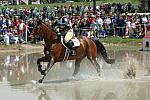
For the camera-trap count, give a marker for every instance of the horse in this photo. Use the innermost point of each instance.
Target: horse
(55, 51)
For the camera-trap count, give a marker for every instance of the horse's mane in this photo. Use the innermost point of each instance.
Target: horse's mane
(49, 26)
(40, 22)
(51, 33)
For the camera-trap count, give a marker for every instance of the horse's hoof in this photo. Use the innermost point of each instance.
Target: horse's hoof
(72, 78)
(33, 82)
(40, 81)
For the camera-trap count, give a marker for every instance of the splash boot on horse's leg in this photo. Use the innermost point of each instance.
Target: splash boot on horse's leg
(40, 66)
(46, 58)
(50, 64)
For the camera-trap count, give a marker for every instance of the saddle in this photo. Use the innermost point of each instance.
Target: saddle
(73, 43)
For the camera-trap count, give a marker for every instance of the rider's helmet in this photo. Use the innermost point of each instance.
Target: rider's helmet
(61, 12)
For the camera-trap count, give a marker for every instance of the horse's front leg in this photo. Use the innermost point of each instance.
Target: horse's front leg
(49, 66)
(42, 59)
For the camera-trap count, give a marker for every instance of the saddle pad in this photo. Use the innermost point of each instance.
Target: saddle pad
(76, 42)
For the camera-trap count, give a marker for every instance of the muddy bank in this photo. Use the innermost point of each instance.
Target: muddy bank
(20, 47)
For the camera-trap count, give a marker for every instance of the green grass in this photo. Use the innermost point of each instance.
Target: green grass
(118, 43)
(111, 43)
(119, 40)
(40, 6)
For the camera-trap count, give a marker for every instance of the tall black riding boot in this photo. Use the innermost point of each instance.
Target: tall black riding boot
(70, 46)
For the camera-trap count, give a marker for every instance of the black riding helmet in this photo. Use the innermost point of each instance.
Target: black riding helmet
(62, 12)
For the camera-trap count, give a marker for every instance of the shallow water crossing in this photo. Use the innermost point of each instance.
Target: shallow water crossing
(127, 79)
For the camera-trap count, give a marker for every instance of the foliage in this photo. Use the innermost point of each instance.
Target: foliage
(98, 2)
(143, 6)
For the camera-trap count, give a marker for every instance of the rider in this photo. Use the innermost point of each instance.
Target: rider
(65, 30)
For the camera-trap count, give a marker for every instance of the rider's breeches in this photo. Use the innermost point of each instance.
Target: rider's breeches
(69, 35)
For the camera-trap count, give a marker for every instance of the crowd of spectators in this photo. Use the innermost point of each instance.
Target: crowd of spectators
(109, 20)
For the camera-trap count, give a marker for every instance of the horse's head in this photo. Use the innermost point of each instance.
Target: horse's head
(37, 30)
(42, 30)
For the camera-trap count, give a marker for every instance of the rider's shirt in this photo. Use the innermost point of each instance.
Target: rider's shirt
(63, 21)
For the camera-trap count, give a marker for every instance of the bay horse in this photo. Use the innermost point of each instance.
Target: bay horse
(54, 51)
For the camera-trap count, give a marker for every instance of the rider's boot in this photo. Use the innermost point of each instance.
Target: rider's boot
(70, 46)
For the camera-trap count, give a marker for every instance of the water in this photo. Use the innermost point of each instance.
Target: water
(18, 72)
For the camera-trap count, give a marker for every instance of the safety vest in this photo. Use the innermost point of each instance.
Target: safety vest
(62, 21)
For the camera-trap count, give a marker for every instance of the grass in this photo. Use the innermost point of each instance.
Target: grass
(116, 40)
(118, 43)
(40, 6)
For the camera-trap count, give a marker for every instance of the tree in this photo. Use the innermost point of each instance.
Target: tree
(94, 6)
(144, 5)
(148, 5)
(30, 2)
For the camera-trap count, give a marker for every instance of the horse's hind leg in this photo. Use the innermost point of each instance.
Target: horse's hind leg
(96, 65)
(77, 67)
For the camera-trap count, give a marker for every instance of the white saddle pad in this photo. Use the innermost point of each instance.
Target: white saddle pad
(76, 42)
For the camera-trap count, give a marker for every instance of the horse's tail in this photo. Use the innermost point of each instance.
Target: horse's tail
(101, 49)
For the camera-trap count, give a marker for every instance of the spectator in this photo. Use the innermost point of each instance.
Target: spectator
(103, 32)
(128, 27)
(122, 27)
(4, 29)
(21, 31)
(108, 16)
(133, 29)
(12, 38)
(1, 21)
